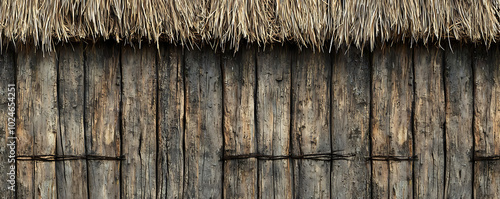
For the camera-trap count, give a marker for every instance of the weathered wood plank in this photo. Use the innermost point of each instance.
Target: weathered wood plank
(487, 121)
(139, 122)
(392, 99)
(350, 124)
(429, 122)
(71, 175)
(311, 122)
(487, 179)
(203, 137)
(102, 118)
(459, 110)
(273, 121)
(38, 122)
(240, 176)
(170, 123)
(7, 76)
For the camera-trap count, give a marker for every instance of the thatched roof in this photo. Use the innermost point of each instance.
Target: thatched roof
(318, 23)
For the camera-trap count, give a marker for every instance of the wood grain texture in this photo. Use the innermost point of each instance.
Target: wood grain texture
(487, 121)
(138, 171)
(7, 76)
(240, 176)
(273, 121)
(429, 122)
(37, 123)
(171, 117)
(71, 175)
(350, 124)
(392, 88)
(203, 136)
(24, 129)
(459, 110)
(311, 122)
(102, 118)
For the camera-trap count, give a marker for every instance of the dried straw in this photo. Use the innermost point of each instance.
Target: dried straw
(225, 23)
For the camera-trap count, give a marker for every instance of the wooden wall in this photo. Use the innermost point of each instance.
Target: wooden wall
(418, 122)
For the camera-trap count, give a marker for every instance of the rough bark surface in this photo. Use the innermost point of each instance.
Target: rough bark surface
(138, 171)
(429, 122)
(311, 75)
(240, 176)
(487, 121)
(459, 110)
(37, 123)
(177, 111)
(350, 124)
(171, 117)
(71, 175)
(273, 121)
(7, 76)
(392, 87)
(203, 137)
(102, 118)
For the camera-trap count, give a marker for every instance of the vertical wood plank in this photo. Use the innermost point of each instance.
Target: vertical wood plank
(240, 176)
(102, 118)
(7, 76)
(273, 121)
(311, 123)
(38, 122)
(71, 175)
(170, 123)
(429, 122)
(203, 137)
(392, 99)
(24, 129)
(458, 92)
(487, 121)
(139, 122)
(350, 124)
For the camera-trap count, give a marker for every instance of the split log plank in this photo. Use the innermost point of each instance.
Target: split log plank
(459, 110)
(37, 123)
(240, 176)
(429, 122)
(138, 171)
(203, 137)
(311, 123)
(7, 76)
(71, 175)
(350, 124)
(487, 121)
(170, 174)
(102, 118)
(392, 100)
(273, 121)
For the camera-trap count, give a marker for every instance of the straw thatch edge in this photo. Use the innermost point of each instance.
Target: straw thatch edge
(322, 24)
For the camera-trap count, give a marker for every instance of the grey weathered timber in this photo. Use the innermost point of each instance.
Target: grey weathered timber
(102, 118)
(203, 134)
(392, 89)
(37, 122)
(139, 79)
(350, 123)
(177, 111)
(273, 121)
(487, 121)
(239, 81)
(7, 76)
(311, 73)
(459, 110)
(170, 174)
(71, 175)
(429, 122)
